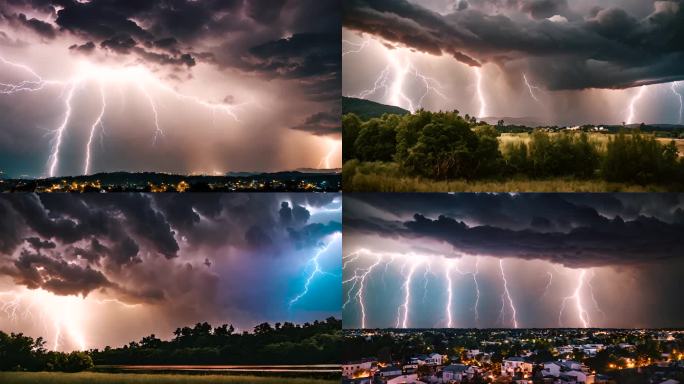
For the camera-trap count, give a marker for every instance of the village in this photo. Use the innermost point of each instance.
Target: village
(534, 356)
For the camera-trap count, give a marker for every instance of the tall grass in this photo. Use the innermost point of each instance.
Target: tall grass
(124, 378)
(380, 182)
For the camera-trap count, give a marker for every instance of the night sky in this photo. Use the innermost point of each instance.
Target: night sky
(175, 86)
(548, 61)
(94, 270)
(537, 260)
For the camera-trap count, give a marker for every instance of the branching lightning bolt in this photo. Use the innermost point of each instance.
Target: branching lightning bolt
(361, 280)
(506, 296)
(582, 314)
(407, 295)
(316, 270)
(98, 122)
(54, 157)
(356, 47)
(530, 87)
(632, 105)
(137, 75)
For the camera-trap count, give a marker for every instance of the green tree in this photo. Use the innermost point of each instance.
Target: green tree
(351, 126)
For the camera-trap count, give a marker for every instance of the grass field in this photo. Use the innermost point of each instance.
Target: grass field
(382, 183)
(599, 138)
(387, 177)
(124, 378)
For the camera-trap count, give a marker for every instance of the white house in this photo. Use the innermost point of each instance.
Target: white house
(454, 373)
(552, 368)
(512, 365)
(471, 353)
(434, 359)
(353, 367)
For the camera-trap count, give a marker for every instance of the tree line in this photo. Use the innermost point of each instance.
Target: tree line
(446, 145)
(319, 342)
(23, 353)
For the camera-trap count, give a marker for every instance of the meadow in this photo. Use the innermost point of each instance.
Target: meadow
(599, 139)
(123, 378)
(446, 152)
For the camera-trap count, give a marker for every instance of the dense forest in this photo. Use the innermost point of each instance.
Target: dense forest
(446, 145)
(287, 343)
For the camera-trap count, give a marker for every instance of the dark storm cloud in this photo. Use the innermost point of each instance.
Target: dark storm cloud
(35, 270)
(564, 229)
(608, 48)
(86, 48)
(140, 246)
(322, 123)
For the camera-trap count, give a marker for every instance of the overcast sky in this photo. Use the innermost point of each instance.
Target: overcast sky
(136, 264)
(177, 86)
(555, 61)
(618, 257)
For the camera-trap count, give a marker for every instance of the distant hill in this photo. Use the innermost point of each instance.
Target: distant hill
(366, 109)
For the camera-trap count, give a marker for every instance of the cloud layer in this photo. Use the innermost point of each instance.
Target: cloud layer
(187, 257)
(563, 45)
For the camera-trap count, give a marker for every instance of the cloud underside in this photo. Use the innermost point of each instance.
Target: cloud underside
(150, 249)
(574, 231)
(561, 49)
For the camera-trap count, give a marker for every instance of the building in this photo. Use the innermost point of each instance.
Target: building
(356, 368)
(390, 371)
(454, 373)
(514, 365)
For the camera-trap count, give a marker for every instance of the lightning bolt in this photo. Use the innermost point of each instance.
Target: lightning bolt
(428, 271)
(392, 80)
(507, 296)
(674, 87)
(137, 75)
(355, 47)
(61, 313)
(631, 110)
(54, 156)
(447, 274)
(98, 122)
(316, 270)
(530, 88)
(326, 160)
(157, 130)
(407, 295)
(591, 293)
(480, 93)
(548, 284)
(361, 280)
(582, 314)
(477, 292)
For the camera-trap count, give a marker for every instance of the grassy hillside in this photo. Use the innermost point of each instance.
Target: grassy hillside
(366, 109)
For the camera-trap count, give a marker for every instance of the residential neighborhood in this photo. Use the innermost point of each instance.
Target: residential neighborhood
(534, 356)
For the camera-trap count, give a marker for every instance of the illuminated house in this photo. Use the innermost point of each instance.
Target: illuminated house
(355, 368)
(514, 365)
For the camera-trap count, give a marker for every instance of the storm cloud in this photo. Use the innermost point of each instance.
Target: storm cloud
(563, 46)
(235, 78)
(513, 260)
(574, 231)
(183, 258)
